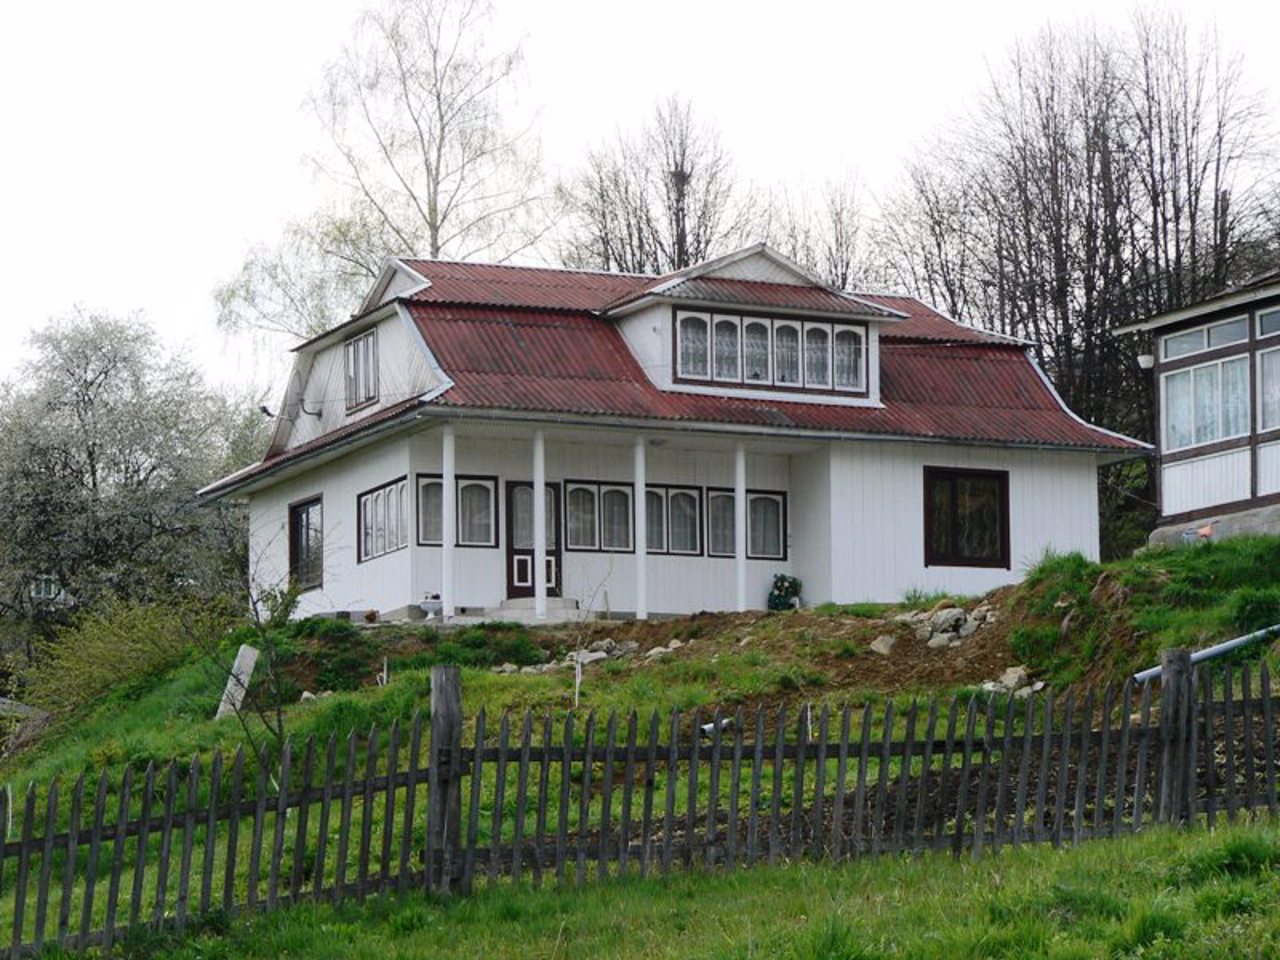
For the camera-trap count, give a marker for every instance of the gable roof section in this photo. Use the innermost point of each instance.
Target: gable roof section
(544, 362)
(538, 288)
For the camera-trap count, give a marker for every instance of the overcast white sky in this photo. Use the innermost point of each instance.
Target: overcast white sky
(145, 146)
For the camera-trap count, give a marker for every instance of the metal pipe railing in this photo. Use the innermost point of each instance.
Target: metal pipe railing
(1217, 650)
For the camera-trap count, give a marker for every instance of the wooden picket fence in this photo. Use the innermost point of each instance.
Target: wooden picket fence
(442, 806)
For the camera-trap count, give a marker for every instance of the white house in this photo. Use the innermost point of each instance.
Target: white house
(514, 438)
(1217, 370)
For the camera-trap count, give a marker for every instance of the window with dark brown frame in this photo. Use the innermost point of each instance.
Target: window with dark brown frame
(306, 544)
(966, 518)
(476, 513)
(382, 520)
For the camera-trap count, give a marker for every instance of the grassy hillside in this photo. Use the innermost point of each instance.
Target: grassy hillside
(1159, 895)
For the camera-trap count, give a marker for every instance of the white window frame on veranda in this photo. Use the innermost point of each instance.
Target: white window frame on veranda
(1195, 441)
(1266, 424)
(753, 548)
(1266, 316)
(360, 364)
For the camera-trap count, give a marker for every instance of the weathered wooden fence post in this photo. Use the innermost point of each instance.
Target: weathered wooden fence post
(1175, 735)
(444, 806)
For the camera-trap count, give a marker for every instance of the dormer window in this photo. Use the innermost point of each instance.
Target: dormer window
(693, 346)
(361, 355)
(766, 352)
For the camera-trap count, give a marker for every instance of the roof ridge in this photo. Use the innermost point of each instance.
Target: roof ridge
(526, 266)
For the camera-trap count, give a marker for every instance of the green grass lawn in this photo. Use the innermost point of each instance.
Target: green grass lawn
(1163, 894)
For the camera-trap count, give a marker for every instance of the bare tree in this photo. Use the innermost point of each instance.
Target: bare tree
(424, 163)
(657, 201)
(824, 232)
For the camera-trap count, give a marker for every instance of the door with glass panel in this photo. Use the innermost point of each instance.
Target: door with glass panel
(520, 559)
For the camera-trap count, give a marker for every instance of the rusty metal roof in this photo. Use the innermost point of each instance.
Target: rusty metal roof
(499, 285)
(562, 363)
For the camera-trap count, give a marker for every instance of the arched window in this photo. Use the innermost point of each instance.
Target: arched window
(726, 349)
(475, 513)
(817, 357)
(685, 522)
(720, 524)
(655, 520)
(786, 354)
(848, 360)
(581, 513)
(615, 518)
(693, 347)
(764, 526)
(755, 352)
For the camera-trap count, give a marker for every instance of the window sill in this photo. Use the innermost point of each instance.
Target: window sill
(1206, 449)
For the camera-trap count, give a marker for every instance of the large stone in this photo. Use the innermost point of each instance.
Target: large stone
(506, 668)
(307, 697)
(944, 639)
(1014, 678)
(603, 646)
(238, 681)
(968, 628)
(588, 656)
(656, 653)
(948, 619)
(675, 645)
(883, 644)
(924, 632)
(626, 648)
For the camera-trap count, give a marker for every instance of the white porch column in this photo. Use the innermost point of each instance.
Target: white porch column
(641, 538)
(539, 526)
(449, 473)
(740, 522)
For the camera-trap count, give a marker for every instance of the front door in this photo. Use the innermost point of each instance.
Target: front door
(520, 581)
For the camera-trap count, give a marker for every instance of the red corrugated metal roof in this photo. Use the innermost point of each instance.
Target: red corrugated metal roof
(563, 363)
(499, 285)
(925, 323)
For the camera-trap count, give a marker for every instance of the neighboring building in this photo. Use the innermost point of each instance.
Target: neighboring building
(513, 438)
(1217, 370)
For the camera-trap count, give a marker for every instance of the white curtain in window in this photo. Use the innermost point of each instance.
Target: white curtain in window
(1270, 389)
(1235, 397)
(475, 513)
(615, 519)
(582, 518)
(655, 519)
(786, 355)
(755, 352)
(684, 522)
(848, 360)
(817, 357)
(379, 524)
(1178, 410)
(521, 519)
(764, 527)
(431, 511)
(726, 348)
(693, 347)
(720, 523)
(1207, 426)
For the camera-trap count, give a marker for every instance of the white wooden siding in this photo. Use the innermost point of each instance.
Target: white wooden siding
(403, 372)
(1205, 482)
(811, 529)
(1268, 469)
(877, 515)
(377, 584)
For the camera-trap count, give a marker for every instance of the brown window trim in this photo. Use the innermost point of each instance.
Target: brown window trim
(295, 508)
(742, 384)
(667, 489)
(360, 555)
(599, 486)
(931, 559)
(751, 492)
(457, 505)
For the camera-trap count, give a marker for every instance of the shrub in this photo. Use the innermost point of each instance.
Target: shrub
(1252, 608)
(120, 647)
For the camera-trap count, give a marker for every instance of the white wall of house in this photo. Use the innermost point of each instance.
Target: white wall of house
(855, 524)
(376, 584)
(1268, 469)
(1206, 481)
(403, 372)
(877, 515)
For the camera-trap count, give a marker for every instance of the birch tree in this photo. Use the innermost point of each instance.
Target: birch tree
(421, 158)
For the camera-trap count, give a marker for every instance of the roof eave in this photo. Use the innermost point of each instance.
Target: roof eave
(888, 316)
(1222, 302)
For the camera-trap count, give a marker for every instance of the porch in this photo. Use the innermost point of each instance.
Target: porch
(544, 523)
